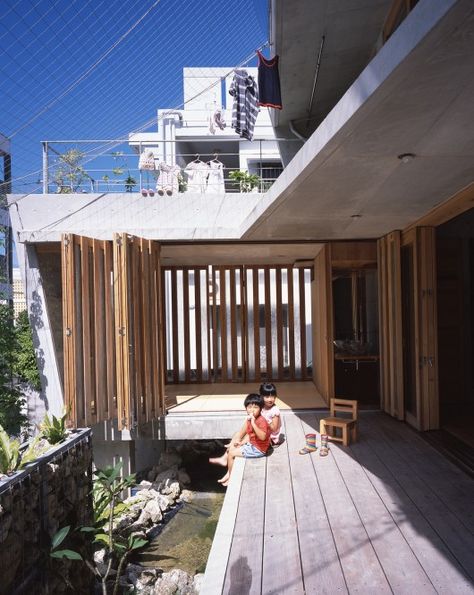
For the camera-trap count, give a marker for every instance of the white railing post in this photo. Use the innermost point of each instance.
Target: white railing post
(45, 168)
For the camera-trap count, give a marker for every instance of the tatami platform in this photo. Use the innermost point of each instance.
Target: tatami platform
(229, 396)
(388, 514)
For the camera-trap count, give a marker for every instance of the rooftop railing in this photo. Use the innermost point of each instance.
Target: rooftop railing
(103, 166)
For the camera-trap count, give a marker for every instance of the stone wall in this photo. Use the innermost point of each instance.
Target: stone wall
(50, 493)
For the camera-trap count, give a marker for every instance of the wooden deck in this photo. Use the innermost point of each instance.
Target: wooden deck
(388, 514)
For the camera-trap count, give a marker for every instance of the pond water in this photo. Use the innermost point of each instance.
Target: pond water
(185, 540)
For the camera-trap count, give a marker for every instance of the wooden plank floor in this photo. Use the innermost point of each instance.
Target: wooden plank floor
(388, 514)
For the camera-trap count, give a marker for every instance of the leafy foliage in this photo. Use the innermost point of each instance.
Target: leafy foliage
(24, 363)
(245, 181)
(54, 430)
(12, 417)
(107, 490)
(69, 174)
(12, 457)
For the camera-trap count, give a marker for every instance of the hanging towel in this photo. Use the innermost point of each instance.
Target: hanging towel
(245, 109)
(268, 82)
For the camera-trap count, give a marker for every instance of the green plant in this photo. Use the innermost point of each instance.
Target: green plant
(107, 489)
(130, 182)
(245, 181)
(12, 416)
(25, 366)
(12, 457)
(54, 430)
(69, 174)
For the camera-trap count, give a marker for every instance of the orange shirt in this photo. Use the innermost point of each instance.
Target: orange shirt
(262, 423)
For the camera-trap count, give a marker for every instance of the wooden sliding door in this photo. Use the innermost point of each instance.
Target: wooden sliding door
(420, 328)
(113, 354)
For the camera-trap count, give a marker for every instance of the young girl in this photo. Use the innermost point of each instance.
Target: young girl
(251, 442)
(271, 412)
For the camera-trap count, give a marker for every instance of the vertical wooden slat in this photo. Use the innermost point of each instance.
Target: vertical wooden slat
(323, 351)
(187, 355)
(198, 318)
(89, 396)
(223, 323)
(256, 324)
(159, 370)
(244, 323)
(291, 323)
(215, 334)
(147, 329)
(302, 324)
(99, 332)
(109, 331)
(279, 323)
(268, 324)
(165, 328)
(69, 327)
(233, 325)
(174, 319)
(121, 294)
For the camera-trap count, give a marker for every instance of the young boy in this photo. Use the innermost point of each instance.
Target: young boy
(251, 442)
(271, 412)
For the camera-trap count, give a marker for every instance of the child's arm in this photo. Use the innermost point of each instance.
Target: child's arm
(275, 424)
(242, 433)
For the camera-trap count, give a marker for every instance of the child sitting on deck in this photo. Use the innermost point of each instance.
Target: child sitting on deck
(271, 412)
(251, 442)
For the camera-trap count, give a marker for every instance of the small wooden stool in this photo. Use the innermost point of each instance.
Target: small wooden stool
(328, 424)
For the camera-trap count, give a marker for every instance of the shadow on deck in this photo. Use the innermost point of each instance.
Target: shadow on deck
(388, 514)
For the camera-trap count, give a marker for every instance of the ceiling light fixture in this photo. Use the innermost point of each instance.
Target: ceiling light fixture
(406, 157)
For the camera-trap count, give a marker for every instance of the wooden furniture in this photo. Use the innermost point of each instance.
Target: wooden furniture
(328, 424)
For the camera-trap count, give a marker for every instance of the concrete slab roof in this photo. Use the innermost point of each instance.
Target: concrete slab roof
(415, 96)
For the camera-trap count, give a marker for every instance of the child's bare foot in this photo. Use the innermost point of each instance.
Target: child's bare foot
(219, 460)
(225, 483)
(223, 479)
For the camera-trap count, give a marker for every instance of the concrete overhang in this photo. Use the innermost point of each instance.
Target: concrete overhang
(415, 96)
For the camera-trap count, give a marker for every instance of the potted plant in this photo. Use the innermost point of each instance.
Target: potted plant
(130, 183)
(245, 181)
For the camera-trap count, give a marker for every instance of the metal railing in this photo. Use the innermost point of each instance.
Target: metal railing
(103, 166)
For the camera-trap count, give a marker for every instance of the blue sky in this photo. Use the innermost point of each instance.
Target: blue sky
(99, 69)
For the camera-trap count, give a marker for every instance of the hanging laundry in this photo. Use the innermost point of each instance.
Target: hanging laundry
(215, 180)
(268, 82)
(216, 120)
(197, 172)
(168, 181)
(245, 108)
(146, 161)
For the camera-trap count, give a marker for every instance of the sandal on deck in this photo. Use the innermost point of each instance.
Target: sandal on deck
(324, 450)
(310, 444)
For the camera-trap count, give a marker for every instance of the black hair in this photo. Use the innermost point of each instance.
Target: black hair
(254, 399)
(268, 389)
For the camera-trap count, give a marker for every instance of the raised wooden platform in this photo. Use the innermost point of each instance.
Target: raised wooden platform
(388, 514)
(185, 398)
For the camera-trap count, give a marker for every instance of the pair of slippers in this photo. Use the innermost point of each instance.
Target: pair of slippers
(311, 445)
(162, 191)
(148, 192)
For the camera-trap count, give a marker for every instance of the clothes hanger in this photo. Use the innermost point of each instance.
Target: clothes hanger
(197, 160)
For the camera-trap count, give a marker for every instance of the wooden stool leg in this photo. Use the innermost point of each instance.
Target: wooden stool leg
(345, 440)
(322, 427)
(354, 433)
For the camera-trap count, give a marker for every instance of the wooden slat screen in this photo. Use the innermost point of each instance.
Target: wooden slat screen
(254, 320)
(112, 319)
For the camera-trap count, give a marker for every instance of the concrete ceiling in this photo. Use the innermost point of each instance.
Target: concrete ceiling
(237, 254)
(350, 29)
(416, 96)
